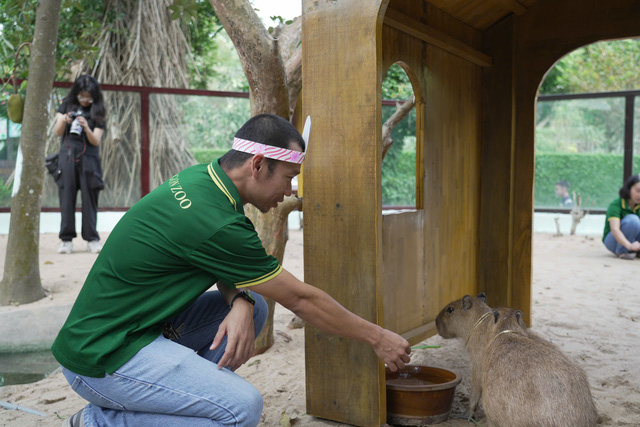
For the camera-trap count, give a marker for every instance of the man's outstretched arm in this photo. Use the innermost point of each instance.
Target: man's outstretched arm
(320, 310)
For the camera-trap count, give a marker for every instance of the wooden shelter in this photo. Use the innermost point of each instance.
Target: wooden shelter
(475, 66)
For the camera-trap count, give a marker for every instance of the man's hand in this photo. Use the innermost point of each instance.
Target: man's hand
(392, 349)
(239, 329)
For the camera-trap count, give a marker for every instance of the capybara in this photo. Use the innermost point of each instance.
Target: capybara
(468, 318)
(524, 380)
(528, 381)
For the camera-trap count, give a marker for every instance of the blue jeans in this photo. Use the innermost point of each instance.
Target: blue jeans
(176, 383)
(630, 227)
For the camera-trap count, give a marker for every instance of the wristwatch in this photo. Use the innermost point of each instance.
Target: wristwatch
(245, 295)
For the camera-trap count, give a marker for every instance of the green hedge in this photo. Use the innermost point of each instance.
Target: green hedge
(207, 155)
(399, 181)
(597, 177)
(5, 193)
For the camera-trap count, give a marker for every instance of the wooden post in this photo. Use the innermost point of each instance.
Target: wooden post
(342, 205)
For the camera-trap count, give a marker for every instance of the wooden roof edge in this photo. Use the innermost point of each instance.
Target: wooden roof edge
(513, 5)
(417, 29)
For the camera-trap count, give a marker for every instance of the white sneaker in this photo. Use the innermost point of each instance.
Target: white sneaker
(627, 255)
(75, 420)
(94, 246)
(65, 248)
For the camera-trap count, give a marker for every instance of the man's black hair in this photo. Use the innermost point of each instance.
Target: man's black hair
(563, 183)
(267, 129)
(625, 190)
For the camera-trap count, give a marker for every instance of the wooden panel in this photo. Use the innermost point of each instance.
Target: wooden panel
(437, 38)
(513, 5)
(341, 74)
(479, 14)
(449, 24)
(452, 176)
(496, 210)
(405, 290)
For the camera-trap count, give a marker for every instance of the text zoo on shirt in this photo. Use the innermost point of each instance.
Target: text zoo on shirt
(178, 193)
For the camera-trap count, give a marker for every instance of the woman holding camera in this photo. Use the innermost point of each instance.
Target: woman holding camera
(80, 122)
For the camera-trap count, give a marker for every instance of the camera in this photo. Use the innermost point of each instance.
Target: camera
(76, 128)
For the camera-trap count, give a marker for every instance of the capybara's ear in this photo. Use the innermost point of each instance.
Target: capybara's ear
(482, 297)
(466, 302)
(519, 318)
(496, 314)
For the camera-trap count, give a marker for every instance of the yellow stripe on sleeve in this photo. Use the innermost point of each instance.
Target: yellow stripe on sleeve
(259, 280)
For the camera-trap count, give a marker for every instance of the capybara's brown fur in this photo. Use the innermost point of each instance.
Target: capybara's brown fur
(528, 381)
(467, 318)
(523, 379)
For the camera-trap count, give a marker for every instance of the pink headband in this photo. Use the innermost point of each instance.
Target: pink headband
(268, 151)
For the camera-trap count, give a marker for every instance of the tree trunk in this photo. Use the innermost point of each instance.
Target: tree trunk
(265, 70)
(21, 281)
(274, 233)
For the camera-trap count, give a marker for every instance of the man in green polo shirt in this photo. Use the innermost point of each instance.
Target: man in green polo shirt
(145, 341)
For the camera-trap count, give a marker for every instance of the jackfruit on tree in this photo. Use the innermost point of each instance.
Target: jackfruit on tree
(15, 108)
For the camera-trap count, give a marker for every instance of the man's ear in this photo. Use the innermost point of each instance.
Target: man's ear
(258, 162)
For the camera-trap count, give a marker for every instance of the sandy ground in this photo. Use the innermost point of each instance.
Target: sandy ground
(584, 300)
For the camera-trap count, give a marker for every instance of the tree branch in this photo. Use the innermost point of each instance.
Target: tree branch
(259, 55)
(289, 41)
(401, 111)
(293, 70)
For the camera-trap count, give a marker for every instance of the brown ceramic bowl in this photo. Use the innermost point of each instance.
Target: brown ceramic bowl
(418, 395)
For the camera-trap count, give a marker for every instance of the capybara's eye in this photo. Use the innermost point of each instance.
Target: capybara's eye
(449, 309)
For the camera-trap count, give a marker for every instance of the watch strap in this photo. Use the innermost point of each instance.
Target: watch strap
(244, 295)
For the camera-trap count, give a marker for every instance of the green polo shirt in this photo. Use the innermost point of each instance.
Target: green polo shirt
(168, 249)
(619, 208)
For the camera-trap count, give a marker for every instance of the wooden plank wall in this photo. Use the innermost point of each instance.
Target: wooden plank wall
(406, 295)
(342, 205)
(498, 151)
(452, 166)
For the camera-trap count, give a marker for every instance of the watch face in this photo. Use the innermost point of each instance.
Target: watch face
(247, 295)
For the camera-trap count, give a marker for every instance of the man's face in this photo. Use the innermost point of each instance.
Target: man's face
(275, 185)
(560, 190)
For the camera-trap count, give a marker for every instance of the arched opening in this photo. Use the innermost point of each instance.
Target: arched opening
(586, 134)
(400, 153)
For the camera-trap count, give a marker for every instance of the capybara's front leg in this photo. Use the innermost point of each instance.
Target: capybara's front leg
(476, 393)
